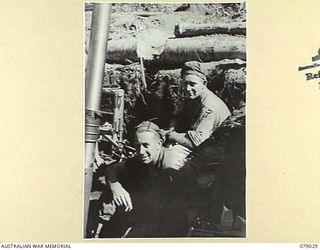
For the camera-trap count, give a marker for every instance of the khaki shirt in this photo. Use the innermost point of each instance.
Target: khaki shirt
(199, 118)
(173, 157)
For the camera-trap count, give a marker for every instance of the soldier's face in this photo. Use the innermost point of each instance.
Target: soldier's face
(194, 86)
(148, 147)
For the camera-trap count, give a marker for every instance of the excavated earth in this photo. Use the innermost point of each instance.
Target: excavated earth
(156, 99)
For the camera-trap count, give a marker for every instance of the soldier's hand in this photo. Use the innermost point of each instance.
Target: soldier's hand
(121, 196)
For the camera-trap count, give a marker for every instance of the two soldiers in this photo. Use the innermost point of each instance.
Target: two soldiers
(151, 187)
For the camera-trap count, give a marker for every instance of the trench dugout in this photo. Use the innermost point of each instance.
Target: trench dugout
(215, 171)
(150, 90)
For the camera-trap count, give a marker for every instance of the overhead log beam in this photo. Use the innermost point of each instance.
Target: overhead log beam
(203, 49)
(177, 51)
(189, 30)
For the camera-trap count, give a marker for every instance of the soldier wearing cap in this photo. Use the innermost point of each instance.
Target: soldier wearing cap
(200, 114)
(146, 189)
(193, 125)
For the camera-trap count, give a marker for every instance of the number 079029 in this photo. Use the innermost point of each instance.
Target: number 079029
(308, 246)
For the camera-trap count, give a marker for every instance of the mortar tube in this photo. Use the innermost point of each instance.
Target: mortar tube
(93, 88)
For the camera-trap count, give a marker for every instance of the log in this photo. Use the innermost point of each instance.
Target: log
(122, 51)
(205, 49)
(189, 30)
(178, 51)
(146, 14)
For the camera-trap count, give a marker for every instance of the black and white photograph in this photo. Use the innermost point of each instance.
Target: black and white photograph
(160, 122)
(165, 120)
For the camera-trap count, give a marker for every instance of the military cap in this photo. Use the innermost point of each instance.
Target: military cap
(192, 68)
(147, 126)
